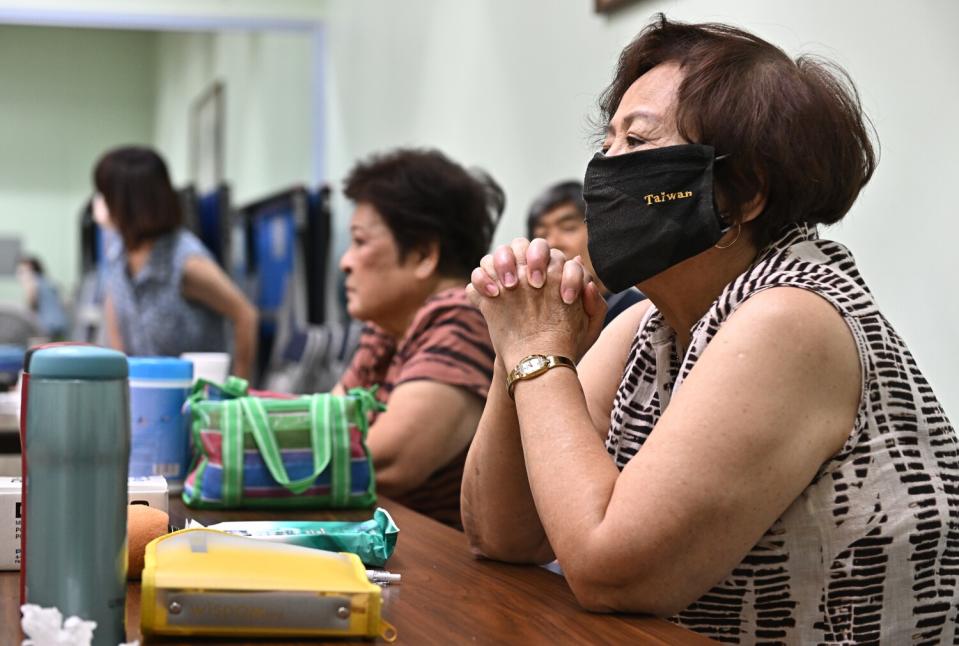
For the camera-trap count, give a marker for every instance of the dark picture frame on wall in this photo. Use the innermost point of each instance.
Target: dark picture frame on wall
(206, 138)
(608, 6)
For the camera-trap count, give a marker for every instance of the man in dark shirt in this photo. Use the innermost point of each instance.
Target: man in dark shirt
(557, 215)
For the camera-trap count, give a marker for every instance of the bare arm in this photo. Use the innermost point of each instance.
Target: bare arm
(773, 397)
(499, 515)
(426, 425)
(205, 283)
(114, 340)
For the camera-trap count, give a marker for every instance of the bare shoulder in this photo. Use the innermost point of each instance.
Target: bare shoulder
(788, 352)
(203, 278)
(802, 319)
(197, 266)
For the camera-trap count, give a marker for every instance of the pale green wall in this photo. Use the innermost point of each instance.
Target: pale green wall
(65, 96)
(268, 98)
(509, 86)
(178, 9)
(68, 94)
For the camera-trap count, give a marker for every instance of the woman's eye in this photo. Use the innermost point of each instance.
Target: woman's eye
(633, 141)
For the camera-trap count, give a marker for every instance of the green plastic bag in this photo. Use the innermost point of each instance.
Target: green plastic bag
(372, 540)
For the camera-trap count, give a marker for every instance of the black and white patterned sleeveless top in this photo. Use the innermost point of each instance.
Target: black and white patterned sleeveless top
(869, 552)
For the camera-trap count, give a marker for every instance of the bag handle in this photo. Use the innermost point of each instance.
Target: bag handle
(323, 414)
(232, 388)
(366, 402)
(231, 423)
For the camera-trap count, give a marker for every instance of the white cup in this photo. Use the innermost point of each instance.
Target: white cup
(212, 366)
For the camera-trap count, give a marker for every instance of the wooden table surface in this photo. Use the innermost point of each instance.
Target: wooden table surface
(446, 596)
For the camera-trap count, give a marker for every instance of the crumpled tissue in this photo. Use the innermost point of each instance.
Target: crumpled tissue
(46, 627)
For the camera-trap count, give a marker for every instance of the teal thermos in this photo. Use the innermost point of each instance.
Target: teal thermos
(77, 454)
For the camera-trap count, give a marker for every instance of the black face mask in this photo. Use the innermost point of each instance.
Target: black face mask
(649, 210)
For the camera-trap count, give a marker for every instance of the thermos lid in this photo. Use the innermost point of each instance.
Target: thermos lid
(160, 368)
(78, 362)
(43, 346)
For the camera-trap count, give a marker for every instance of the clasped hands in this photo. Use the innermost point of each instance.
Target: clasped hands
(536, 301)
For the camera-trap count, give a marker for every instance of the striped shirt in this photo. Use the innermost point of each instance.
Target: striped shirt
(448, 343)
(869, 552)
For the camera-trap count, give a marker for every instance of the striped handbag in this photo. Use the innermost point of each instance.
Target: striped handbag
(280, 452)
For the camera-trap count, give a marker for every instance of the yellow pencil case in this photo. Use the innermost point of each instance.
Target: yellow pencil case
(205, 582)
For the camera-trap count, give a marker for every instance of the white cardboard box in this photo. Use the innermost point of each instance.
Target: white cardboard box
(150, 491)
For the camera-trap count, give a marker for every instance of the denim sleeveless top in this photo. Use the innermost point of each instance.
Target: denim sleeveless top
(869, 552)
(153, 316)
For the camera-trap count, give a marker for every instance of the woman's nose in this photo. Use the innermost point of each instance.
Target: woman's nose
(618, 147)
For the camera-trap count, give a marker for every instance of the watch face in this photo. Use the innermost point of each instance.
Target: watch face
(532, 364)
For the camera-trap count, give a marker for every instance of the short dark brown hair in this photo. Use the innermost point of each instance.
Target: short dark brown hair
(794, 130)
(136, 185)
(568, 192)
(34, 263)
(425, 197)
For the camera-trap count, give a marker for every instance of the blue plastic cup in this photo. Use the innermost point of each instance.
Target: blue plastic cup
(160, 431)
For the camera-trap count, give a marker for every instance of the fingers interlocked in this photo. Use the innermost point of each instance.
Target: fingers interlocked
(531, 261)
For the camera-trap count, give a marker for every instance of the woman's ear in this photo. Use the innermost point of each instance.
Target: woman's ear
(753, 207)
(427, 259)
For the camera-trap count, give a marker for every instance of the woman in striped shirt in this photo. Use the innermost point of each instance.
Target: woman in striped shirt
(421, 223)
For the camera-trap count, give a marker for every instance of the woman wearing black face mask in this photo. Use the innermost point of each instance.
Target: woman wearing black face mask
(753, 452)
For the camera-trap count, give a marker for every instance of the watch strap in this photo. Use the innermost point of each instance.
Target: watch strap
(534, 365)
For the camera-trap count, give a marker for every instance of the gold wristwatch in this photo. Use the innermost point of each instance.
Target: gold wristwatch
(533, 366)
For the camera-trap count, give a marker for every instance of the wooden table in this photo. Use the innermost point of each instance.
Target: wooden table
(446, 597)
